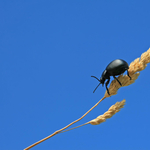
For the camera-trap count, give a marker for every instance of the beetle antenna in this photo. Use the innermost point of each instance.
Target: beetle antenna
(95, 78)
(98, 84)
(96, 87)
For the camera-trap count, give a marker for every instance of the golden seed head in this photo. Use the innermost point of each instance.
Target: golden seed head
(108, 114)
(137, 65)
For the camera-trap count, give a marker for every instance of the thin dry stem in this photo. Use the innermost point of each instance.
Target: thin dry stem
(108, 114)
(58, 131)
(75, 127)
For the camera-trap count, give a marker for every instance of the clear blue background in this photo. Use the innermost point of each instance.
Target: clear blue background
(48, 51)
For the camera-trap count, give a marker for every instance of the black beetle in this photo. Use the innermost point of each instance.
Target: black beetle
(114, 68)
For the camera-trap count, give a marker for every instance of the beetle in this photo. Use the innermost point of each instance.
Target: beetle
(114, 68)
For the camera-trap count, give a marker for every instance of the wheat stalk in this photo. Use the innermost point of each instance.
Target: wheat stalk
(58, 131)
(137, 65)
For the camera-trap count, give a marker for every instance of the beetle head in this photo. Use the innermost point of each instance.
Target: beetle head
(103, 77)
(102, 80)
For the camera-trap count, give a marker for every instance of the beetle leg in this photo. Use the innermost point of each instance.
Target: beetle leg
(117, 80)
(128, 74)
(106, 86)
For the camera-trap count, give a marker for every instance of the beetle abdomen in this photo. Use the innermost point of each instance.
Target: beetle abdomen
(117, 67)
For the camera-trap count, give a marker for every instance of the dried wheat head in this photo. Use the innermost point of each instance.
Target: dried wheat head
(137, 65)
(108, 114)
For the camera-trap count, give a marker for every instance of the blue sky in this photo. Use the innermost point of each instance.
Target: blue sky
(48, 51)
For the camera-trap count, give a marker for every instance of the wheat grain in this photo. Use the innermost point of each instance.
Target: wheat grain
(108, 114)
